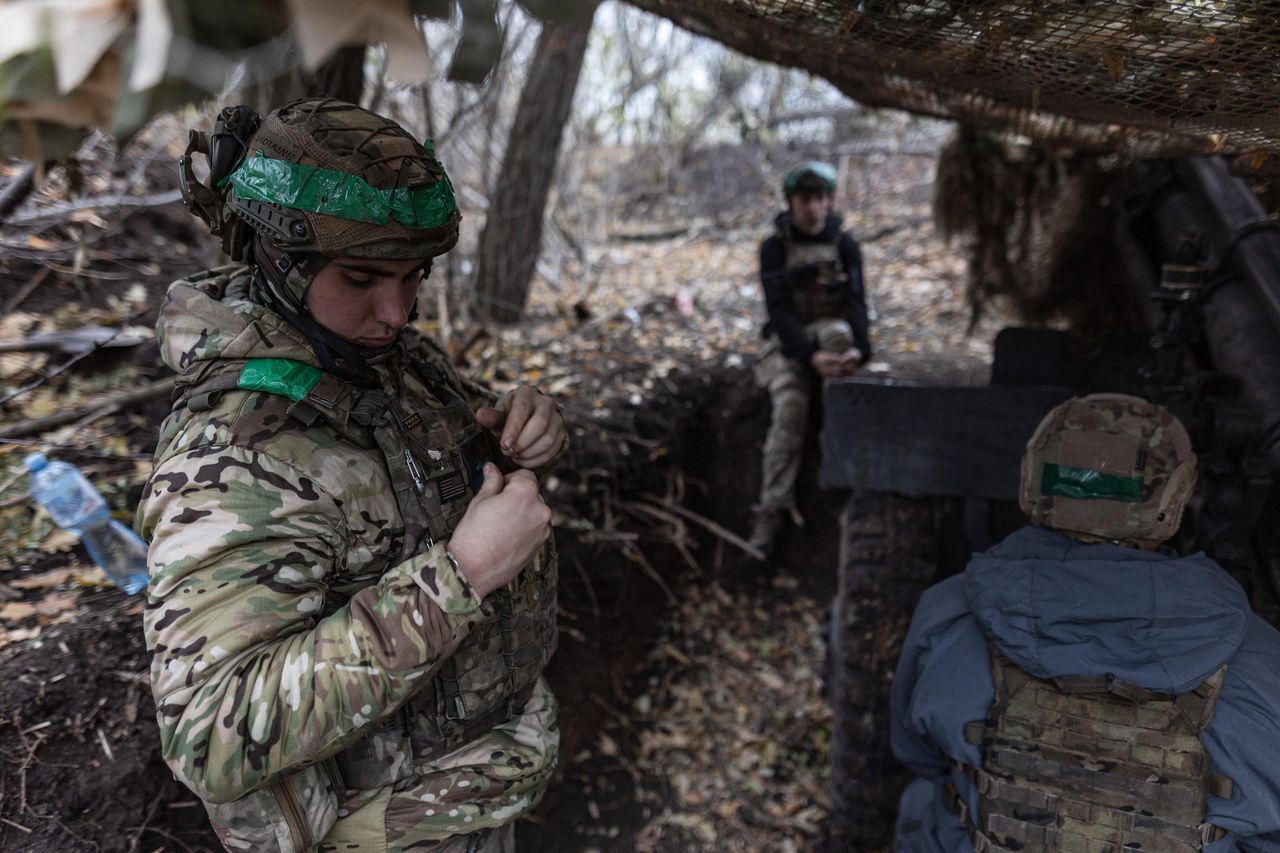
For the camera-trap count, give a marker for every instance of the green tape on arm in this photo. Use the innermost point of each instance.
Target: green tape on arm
(291, 379)
(1086, 484)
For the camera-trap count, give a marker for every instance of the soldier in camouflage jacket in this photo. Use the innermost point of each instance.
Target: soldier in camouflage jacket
(351, 603)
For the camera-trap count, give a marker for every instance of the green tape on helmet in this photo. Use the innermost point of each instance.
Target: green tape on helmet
(300, 186)
(813, 175)
(291, 379)
(1086, 484)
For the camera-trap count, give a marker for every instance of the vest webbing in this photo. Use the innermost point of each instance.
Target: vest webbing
(368, 419)
(1090, 764)
(815, 274)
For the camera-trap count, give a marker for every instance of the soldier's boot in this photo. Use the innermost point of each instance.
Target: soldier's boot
(766, 527)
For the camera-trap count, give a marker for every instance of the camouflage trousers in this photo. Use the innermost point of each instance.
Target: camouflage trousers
(790, 385)
(352, 838)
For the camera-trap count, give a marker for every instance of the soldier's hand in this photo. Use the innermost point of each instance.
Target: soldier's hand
(830, 365)
(505, 523)
(528, 425)
(850, 359)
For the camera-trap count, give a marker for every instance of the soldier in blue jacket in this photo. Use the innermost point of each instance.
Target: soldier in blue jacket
(1081, 687)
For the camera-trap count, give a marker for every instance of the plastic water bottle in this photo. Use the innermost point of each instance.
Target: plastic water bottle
(75, 505)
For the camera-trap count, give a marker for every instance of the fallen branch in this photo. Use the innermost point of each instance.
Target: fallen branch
(91, 411)
(17, 190)
(649, 236)
(715, 529)
(73, 342)
(679, 530)
(894, 229)
(68, 364)
(115, 201)
(25, 291)
(630, 438)
(631, 552)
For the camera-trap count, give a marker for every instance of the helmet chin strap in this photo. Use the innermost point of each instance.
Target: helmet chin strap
(272, 269)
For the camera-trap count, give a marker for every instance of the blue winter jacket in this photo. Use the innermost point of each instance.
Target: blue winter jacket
(1057, 607)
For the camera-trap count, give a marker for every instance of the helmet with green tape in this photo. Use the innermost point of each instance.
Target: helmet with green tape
(320, 175)
(314, 180)
(326, 176)
(813, 176)
(1109, 467)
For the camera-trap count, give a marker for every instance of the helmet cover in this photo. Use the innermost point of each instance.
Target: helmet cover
(328, 177)
(1109, 466)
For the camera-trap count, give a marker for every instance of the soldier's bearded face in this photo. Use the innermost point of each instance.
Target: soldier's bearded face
(809, 210)
(365, 301)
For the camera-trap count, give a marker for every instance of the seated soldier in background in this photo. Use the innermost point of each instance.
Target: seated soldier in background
(811, 271)
(1082, 687)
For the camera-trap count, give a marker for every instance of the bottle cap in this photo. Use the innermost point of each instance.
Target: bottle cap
(35, 461)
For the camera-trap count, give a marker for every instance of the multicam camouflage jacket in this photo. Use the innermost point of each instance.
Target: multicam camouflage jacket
(323, 674)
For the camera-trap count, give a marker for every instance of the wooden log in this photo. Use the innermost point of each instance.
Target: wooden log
(91, 411)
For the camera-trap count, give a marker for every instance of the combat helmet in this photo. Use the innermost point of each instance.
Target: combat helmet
(1108, 467)
(317, 179)
(811, 176)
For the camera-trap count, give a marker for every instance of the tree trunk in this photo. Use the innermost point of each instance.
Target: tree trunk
(513, 231)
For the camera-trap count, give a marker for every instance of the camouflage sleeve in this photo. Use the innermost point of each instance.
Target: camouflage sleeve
(250, 680)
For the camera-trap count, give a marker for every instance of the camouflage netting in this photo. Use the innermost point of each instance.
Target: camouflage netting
(1022, 212)
(1139, 77)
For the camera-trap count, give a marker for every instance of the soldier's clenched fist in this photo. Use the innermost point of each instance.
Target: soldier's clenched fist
(506, 522)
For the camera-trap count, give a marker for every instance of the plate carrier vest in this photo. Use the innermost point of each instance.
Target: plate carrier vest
(435, 459)
(815, 274)
(1090, 764)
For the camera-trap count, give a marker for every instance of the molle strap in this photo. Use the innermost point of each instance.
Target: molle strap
(506, 628)
(1106, 684)
(203, 397)
(1092, 762)
(332, 395)
(334, 400)
(192, 383)
(1220, 786)
(451, 696)
(418, 503)
(1198, 705)
(1007, 678)
(955, 804)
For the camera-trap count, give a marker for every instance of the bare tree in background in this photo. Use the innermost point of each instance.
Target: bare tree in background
(512, 236)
